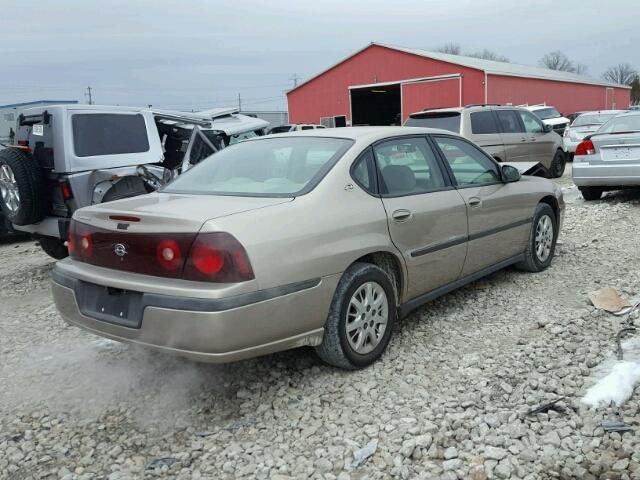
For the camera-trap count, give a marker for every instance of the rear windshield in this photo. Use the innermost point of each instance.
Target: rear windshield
(269, 167)
(444, 120)
(593, 119)
(620, 124)
(547, 113)
(281, 129)
(108, 134)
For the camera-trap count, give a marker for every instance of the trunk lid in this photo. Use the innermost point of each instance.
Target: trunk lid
(169, 212)
(618, 148)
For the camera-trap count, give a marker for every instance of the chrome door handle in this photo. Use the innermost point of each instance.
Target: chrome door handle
(475, 201)
(401, 215)
(524, 139)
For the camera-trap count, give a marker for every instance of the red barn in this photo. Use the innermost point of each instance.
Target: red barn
(380, 84)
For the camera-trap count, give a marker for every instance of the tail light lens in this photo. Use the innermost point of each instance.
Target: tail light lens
(218, 257)
(65, 189)
(585, 148)
(209, 257)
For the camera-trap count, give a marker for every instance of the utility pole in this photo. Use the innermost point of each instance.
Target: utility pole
(89, 96)
(294, 78)
(239, 103)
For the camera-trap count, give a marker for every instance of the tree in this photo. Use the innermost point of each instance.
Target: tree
(450, 48)
(454, 49)
(635, 91)
(557, 60)
(487, 54)
(623, 73)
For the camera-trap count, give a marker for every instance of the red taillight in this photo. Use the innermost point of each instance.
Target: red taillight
(218, 257)
(585, 148)
(23, 143)
(169, 255)
(65, 189)
(208, 257)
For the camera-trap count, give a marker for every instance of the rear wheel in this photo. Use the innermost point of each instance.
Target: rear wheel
(591, 193)
(558, 164)
(542, 240)
(21, 187)
(360, 319)
(54, 247)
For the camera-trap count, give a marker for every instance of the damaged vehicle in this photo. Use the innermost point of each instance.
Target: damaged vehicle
(70, 156)
(315, 238)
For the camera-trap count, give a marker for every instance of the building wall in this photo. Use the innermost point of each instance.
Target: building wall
(274, 118)
(328, 94)
(566, 97)
(433, 94)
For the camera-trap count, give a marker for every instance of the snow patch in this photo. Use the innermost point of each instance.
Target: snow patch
(616, 380)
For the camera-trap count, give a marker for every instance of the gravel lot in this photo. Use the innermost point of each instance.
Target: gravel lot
(448, 400)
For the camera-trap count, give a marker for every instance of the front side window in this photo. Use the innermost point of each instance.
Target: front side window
(268, 167)
(108, 134)
(531, 122)
(469, 165)
(407, 166)
(509, 121)
(483, 123)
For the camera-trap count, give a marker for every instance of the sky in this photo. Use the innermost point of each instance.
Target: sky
(197, 54)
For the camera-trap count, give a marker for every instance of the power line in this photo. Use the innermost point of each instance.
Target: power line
(88, 95)
(294, 78)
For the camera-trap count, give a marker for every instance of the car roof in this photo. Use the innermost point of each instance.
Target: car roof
(591, 112)
(468, 108)
(361, 133)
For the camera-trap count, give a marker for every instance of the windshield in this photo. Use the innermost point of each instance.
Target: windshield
(270, 167)
(547, 113)
(592, 119)
(622, 123)
(444, 120)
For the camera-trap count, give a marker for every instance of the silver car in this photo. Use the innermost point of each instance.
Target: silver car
(320, 238)
(609, 159)
(585, 124)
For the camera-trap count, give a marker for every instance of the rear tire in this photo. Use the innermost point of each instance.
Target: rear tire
(126, 187)
(54, 247)
(591, 193)
(541, 245)
(558, 164)
(22, 187)
(361, 318)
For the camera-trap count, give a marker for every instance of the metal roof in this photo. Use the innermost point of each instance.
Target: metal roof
(488, 66)
(37, 102)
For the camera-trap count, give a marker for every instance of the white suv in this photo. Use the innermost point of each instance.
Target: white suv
(549, 116)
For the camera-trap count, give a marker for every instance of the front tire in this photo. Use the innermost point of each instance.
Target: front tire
(591, 193)
(361, 318)
(542, 240)
(54, 247)
(558, 164)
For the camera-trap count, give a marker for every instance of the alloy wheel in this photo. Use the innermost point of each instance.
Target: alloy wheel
(9, 189)
(544, 238)
(367, 317)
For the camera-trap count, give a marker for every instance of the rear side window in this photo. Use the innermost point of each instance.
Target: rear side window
(483, 123)
(362, 171)
(407, 166)
(443, 120)
(108, 134)
(509, 121)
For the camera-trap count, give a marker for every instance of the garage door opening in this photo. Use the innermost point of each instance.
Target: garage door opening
(376, 105)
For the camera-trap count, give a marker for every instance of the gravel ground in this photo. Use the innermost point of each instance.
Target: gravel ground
(448, 400)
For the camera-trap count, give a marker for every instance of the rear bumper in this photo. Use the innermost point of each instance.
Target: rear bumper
(213, 330)
(605, 175)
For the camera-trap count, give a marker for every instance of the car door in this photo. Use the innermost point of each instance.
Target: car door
(513, 136)
(427, 217)
(540, 142)
(499, 213)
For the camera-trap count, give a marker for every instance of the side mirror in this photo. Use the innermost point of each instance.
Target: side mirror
(547, 128)
(509, 174)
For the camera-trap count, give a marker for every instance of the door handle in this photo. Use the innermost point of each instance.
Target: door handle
(523, 139)
(475, 201)
(401, 215)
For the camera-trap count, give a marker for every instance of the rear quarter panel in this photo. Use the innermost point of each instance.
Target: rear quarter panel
(317, 234)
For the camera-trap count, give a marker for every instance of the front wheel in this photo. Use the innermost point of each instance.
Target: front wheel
(558, 164)
(542, 240)
(361, 318)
